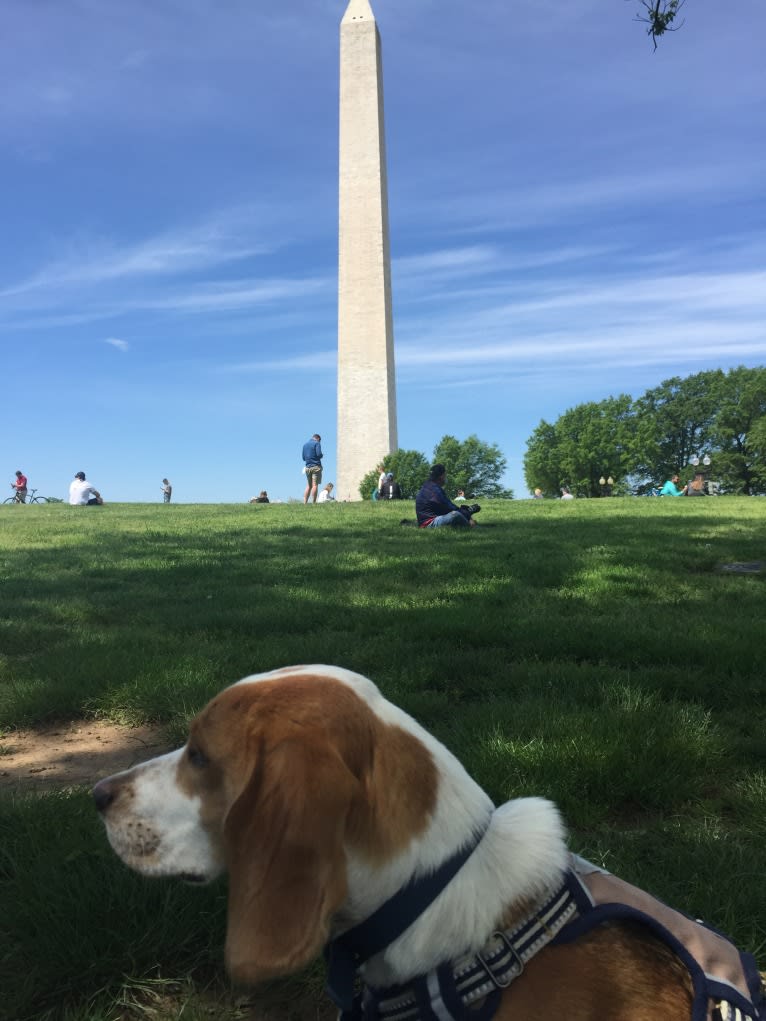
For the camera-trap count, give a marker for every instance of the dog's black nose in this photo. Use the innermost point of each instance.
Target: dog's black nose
(103, 794)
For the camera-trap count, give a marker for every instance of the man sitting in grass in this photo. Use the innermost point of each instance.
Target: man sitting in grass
(671, 487)
(434, 508)
(82, 493)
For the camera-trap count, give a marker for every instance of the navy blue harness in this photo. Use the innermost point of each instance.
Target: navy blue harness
(348, 952)
(470, 989)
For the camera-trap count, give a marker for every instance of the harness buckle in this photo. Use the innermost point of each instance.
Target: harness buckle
(514, 957)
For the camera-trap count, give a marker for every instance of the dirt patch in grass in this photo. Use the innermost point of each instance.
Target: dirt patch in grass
(73, 754)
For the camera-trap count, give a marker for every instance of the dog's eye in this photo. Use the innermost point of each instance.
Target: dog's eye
(197, 758)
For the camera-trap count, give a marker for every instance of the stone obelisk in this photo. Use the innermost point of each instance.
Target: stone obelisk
(366, 376)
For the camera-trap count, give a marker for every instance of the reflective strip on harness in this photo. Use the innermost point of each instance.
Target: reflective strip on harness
(476, 977)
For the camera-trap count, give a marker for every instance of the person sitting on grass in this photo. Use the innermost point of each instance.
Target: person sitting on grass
(326, 495)
(671, 487)
(697, 486)
(263, 497)
(434, 508)
(82, 493)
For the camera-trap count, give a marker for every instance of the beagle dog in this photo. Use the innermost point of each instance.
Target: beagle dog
(343, 823)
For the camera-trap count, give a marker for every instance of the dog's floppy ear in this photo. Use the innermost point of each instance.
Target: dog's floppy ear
(287, 870)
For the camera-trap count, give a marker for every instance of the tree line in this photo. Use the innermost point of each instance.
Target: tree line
(642, 442)
(472, 465)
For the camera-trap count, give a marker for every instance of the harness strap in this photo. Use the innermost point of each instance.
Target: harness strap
(347, 953)
(481, 975)
(455, 992)
(705, 988)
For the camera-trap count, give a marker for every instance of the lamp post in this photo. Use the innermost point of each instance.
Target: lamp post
(605, 484)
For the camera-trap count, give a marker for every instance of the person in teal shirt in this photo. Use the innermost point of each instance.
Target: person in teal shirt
(671, 488)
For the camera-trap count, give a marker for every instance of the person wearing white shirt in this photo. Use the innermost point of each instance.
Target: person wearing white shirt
(82, 493)
(326, 494)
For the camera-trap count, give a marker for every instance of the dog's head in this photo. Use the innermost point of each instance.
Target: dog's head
(283, 777)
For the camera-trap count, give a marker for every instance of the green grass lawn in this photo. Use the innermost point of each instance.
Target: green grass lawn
(589, 652)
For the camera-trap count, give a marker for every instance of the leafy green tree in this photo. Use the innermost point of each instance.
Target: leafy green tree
(641, 443)
(660, 15)
(674, 422)
(587, 442)
(410, 469)
(757, 437)
(738, 432)
(473, 466)
(542, 469)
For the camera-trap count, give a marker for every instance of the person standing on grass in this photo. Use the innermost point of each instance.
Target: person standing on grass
(671, 487)
(167, 491)
(312, 457)
(434, 508)
(82, 493)
(20, 485)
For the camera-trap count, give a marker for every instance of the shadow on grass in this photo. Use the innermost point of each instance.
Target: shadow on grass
(595, 657)
(148, 626)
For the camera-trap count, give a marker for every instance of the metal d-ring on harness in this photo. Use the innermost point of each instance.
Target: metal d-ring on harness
(504, 981)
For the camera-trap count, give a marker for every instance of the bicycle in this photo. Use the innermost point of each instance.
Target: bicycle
(31, 498)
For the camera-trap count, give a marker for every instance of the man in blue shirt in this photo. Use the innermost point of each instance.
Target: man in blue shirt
(312, 456)
(671, 487)
(432, 505)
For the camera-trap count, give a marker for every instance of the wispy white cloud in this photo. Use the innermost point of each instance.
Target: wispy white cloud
(314, 361)
(220, 240)
(57, 97)
(121, 345)
(492, 211)
(450, 259)
(572, 326)
(581, 328)
(587, 344)
(471, 260)
(237, 295)
(136, 58)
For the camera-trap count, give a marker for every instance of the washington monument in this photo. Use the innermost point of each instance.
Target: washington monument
(366, 377)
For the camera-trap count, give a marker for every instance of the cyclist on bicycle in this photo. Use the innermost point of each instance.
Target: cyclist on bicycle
(20, 485)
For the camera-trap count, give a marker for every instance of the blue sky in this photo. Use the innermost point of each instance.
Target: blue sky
(572, 216)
